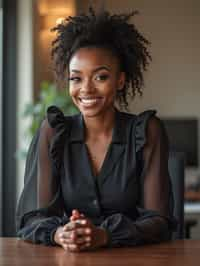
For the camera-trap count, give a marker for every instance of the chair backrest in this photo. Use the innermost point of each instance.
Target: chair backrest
(176, 166)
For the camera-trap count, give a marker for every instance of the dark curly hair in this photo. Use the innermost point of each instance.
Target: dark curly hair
(107, 31)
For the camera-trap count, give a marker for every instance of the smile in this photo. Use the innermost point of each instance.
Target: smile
(90, 101)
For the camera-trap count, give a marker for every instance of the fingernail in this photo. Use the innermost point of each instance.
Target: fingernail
(83, 221)
(88, 230)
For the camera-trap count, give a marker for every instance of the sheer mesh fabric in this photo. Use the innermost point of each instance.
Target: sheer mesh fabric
(41, 195)
(155, 172)
(40, 210)
(156, 180)
(155, 222)
(47, 185)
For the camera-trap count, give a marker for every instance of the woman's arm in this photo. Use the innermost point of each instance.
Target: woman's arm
(41, 218)
(155, 223)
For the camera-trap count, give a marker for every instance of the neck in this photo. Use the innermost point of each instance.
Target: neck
(99, 126)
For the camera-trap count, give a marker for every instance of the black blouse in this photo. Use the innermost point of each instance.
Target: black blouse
(131, 196)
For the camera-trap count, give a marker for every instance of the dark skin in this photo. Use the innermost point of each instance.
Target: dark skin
(94, 78)
(80, 234)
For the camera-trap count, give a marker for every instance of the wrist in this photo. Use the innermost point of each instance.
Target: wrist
(56, 237)
(103, 237)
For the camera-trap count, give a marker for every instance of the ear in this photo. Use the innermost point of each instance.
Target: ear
(121, 81)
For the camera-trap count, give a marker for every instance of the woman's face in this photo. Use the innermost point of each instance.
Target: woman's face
(94, 78)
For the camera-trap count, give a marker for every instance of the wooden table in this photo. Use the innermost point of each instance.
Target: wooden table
(180, 253)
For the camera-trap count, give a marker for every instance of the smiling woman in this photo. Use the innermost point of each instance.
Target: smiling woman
(95, 77)
(99, 178)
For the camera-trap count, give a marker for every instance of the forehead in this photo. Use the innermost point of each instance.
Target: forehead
(92, 57)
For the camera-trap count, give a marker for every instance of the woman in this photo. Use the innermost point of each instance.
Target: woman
(100, 178)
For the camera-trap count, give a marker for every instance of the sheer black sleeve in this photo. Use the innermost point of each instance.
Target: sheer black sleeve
(40, 209)
(155, 222)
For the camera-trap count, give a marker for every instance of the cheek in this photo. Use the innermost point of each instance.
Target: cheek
(72, 91)
(112, 87)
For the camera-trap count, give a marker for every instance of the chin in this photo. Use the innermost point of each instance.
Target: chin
(90, 113)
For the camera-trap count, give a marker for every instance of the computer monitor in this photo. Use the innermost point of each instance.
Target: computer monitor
(183, 137)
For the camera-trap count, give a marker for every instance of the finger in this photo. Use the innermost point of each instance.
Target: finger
(73, 238)
(85, 246)
(73, 247)
(81, 220)
(79, 247)
(82, 240)
(63, 240)
(82, 232)
(68, 235)
(76, 216)
(63, 243)
(72, 218)
(77, 241)
(71, 225)
(65, 246)
(76, 213)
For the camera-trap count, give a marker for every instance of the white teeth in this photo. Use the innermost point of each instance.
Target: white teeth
(89, 101)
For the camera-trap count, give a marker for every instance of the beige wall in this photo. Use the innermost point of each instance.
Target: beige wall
(173, 80)
(172, 84)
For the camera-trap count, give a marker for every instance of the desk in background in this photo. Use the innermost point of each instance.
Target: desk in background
(180, 253)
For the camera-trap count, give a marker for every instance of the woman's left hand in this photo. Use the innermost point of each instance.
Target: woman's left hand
(88, 237)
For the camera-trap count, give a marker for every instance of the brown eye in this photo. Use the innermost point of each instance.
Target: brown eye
(75, 79)
(102, 77)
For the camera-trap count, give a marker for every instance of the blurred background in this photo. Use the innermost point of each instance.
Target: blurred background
(172, 83)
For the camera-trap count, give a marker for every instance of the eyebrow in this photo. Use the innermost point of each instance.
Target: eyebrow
(95, 70)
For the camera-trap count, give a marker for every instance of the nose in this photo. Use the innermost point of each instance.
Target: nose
(87, 86)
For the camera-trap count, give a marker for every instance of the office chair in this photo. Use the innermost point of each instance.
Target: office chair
(176, 166)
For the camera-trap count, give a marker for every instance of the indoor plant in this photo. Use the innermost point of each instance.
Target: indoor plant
(36, 111)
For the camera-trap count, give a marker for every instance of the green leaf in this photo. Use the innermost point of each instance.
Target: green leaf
(49, 95)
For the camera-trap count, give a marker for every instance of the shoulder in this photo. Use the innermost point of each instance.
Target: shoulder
(155, 127)
(53, 122)
(156, 135)
(148, 129)
(57, 123)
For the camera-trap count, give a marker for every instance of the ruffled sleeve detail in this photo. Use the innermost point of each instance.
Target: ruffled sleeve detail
(58, 121)
(140, 128)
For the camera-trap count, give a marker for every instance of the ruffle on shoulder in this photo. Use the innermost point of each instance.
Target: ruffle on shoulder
(140, 128)
(58, 121)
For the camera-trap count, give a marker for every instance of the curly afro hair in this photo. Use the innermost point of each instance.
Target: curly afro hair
(113, 32)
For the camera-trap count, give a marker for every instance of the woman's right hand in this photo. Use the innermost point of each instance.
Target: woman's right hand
(66, 237)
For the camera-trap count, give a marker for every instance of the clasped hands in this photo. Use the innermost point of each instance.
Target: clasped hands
(80, 234)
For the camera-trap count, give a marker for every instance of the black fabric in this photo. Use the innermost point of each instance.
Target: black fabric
(124, 198)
